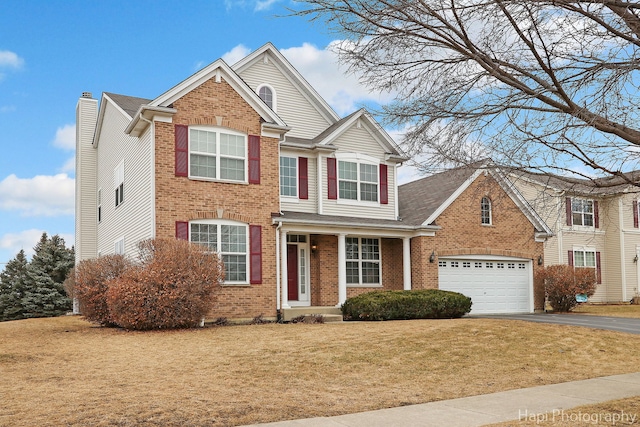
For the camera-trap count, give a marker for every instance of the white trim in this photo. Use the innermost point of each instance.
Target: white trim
(274, 98)
(342, 269)
(406, 263)
(218, 130)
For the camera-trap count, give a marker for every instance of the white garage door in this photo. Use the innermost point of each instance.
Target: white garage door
(494, 285)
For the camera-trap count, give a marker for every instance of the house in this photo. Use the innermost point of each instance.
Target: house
(595, 225)
(303, 206)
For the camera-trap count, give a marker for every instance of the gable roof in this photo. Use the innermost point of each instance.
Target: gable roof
(423, 200)
(605, 186)
(291, 73)
(129, 104)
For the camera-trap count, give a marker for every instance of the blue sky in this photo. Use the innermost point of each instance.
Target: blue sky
(52, 51)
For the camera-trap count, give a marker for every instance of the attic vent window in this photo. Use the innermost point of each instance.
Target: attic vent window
(267, 95)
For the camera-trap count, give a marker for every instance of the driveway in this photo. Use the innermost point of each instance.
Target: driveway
(619, 324)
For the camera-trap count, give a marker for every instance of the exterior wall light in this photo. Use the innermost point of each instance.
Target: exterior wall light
(635, 258)
(432, 257)
(314, 247)
(540, 260)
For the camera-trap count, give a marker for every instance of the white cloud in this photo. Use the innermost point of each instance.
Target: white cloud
(66, 137)
(42, 195)
(264, 5)
(236, 54)
(323, 71)
(10, 59)
(69, 166)
(26, 240)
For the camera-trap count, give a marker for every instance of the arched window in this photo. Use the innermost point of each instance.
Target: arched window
(267, 94)
(485, 211)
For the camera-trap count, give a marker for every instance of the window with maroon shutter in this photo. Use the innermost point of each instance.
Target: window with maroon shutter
(384, 185)
(182, 150)
(332, 179)
(569, 211)
(635, 214)
(303, 178)
(598, 269)
(254, 159)
(255, 253)
(596, 214)
(570, 258)
(182, 230)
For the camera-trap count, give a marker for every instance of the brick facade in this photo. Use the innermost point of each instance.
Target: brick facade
(184, 199)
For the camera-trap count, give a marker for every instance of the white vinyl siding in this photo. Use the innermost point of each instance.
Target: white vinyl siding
(293, 107)
(132, 220)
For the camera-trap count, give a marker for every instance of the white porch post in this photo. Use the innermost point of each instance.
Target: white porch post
(406, 263)
(342, 269)
(283, 274)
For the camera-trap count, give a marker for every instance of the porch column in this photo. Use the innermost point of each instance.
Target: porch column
(283, 273)
(342, 269)
(406, 263)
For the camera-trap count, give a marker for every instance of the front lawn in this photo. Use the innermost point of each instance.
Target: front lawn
(615, 310)
(65, 371)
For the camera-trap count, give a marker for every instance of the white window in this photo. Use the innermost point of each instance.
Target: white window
(230, 240)
(363, 260)
(267, 94)
(119, 246)
(582, 212)
(289, 176)
(584, 258)
(358, 181)
(118, 183)
(485, 211)
(217, 154)
(99, 197)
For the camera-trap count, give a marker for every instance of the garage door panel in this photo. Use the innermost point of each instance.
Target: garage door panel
(495, 286)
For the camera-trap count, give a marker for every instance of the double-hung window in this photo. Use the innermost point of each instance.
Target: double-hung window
(118, 183)
(230, 240)
(582, 212)
(485, 211)
(363, 260)
(357, 181)
(217, 154)
(289, 176)
(584, 258)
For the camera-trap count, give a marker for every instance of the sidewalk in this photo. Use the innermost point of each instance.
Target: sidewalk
(485, 409)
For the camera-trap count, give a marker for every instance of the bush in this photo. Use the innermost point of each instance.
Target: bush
(416, 304)
(563, 282)
(92, 278)
(173, 287)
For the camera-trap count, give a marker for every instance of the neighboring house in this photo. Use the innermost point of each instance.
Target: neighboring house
(302, 205)
(595, 225)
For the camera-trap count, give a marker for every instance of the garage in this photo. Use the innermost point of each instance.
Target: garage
(497, 285)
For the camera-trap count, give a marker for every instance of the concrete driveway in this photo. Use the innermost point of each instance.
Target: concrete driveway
(619, 324)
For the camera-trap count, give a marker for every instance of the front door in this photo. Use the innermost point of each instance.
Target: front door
(292, 272)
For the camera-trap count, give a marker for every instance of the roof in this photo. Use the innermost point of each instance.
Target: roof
(598, 186)
(420, 199)
(129, 104)
(344, 221)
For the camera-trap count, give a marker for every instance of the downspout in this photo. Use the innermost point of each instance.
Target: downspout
(278, 311)
(153, 175)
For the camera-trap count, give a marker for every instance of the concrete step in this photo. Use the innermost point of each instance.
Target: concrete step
(290, 313)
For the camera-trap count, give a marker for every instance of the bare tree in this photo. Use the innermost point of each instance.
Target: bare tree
(533, 84)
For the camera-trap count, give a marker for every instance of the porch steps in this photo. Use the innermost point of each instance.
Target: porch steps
(330, 314)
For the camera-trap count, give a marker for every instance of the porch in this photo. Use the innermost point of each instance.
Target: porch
(330, 314)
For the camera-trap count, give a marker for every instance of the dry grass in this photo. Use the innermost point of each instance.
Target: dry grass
(615, 310)
(64, 371)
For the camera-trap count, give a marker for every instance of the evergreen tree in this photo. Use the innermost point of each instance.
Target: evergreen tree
(12, 282)
(35, 288)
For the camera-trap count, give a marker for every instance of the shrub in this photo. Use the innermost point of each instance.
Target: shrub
(92, 278)
(416, 304)
(174, 286)
(563, 282)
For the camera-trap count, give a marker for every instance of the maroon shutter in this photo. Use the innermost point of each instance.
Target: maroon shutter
(598, 269)
(569, 212)
(332, 179)
(384, 185)
(254, 159)
(255, 253)
(596, 215)
(635, 214)
(182, 230)
(570, 257)
(182, 150)
(303, 178)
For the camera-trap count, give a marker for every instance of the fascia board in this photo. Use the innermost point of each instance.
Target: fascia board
(294, 76)
(103, 107)
(452, 197)
(135, 128)
(218, 70)
(324, 227)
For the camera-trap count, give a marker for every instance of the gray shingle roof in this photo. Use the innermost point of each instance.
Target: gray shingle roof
(129, 104)
(419, 199)
(597, 186)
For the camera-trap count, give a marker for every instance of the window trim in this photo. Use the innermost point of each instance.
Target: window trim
(118, 184)
(360, 261)
(359, 159)
(99, 205)
(582, 212)
(274, 98)
(295, 177)
(218, 130)
(118, 246)
(486, 207)
(218, 223)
